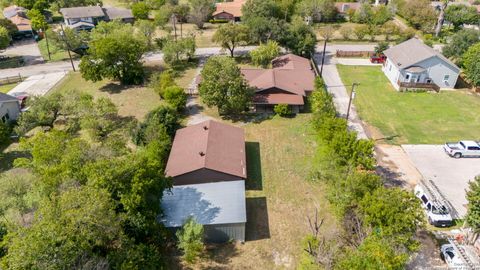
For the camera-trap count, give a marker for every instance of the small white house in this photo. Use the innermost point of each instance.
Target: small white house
(9, 108)
(414, 64)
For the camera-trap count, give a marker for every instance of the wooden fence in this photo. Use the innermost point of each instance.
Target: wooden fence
(12, 79)
(362, 54)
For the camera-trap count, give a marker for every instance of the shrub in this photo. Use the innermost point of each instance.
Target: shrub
(160, 81)
(176, 97)
(190, 240)
(140, 10)
(265, 53)
(5, 131)
(282, 110)
(381, 47)
(346, 31)
(218, 21)
(361, 31)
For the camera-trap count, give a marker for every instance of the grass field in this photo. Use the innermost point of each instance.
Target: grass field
(414, 118)
(7, 87)
(133, 101)
(56, 54)
(279, 197)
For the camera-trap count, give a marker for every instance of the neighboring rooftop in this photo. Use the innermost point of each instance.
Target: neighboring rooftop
(7, 98)
(411, 52)
(210, 203)
(234, 8)
(211, 145)
(343, 7)
(118, 13)
(11, 11)
(22, 23)
(82, 12)
(291, 73)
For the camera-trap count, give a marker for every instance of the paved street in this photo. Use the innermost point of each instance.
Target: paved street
(449, 174)
(335, 85)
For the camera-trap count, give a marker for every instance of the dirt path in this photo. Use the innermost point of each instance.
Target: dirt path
(396, 166)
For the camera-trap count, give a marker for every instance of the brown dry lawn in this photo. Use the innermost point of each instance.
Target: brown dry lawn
(279, 198)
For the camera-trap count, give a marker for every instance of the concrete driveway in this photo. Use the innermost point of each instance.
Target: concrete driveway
(28, 49)
(37, 85)
(450, 175)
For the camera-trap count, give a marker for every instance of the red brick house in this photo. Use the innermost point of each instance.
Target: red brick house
(289, 81)
(230, 11)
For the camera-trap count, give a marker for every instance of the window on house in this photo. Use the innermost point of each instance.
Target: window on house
(407, 77)
(389, 67)
(446, 77)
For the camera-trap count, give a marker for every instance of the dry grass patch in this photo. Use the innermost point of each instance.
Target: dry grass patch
(134, 101)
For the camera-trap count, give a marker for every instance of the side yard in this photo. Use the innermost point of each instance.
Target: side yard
(412, 118)
(279, 197)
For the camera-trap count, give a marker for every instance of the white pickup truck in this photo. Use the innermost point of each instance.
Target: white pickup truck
(462, 149)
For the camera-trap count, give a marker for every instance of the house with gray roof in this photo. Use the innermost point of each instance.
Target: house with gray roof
(9, 108)
(412, 64)
(219, 206)
(85, 18)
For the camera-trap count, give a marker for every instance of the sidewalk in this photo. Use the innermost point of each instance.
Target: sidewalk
(38, 85)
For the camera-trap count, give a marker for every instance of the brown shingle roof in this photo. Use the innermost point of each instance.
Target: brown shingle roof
(82, 12)
(210, 145)
(234, 8)
(278, 98)
(21, 23)
(411, 52)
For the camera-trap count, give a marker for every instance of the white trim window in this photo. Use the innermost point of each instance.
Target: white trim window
(446, 77)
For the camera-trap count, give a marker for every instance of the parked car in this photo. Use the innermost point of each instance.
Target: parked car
(462, 149)
(378, 59)
(437, 213)
(451, 257)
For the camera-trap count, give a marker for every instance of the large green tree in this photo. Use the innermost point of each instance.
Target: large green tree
(223, 86)
(318, 10)
(473, 197)
(459, 43)
(264, 20)
(471, 63)
(68, 232)
(115, 55)
(300, 38)
(140, 10)
(230, 36)
(459, 15)
(4, 38)
(265, 53)
(200, 10)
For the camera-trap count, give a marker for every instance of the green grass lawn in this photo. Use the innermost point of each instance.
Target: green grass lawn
(56, 54)
(415, 118)
(7, 87)
(279, 197)
(134, 101)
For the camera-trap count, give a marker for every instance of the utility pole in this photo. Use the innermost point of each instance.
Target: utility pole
(323, 56)
(48, 48)
(68, 47)
(352, 96)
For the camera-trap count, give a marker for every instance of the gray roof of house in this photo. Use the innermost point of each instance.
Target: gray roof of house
(210, 203)
(411, 52)
(82, 12)
(118, 13)
(6, 98)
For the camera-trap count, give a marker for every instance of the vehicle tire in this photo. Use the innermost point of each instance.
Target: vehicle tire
(457, 155)
(430, 221)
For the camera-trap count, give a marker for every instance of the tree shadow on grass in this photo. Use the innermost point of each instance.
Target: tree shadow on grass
(114, 88)
(221, 254)
(257, 226)
(7, 158)
(390, 178)
(254, 166)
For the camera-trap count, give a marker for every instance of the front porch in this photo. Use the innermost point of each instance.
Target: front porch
(414, 78)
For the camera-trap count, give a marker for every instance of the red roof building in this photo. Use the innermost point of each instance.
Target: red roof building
(230, 11)
(289, 81)
(207, 152)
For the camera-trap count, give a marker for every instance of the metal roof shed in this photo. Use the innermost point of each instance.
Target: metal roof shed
(219, 206)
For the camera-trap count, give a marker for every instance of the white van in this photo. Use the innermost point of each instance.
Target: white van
(437, 213)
